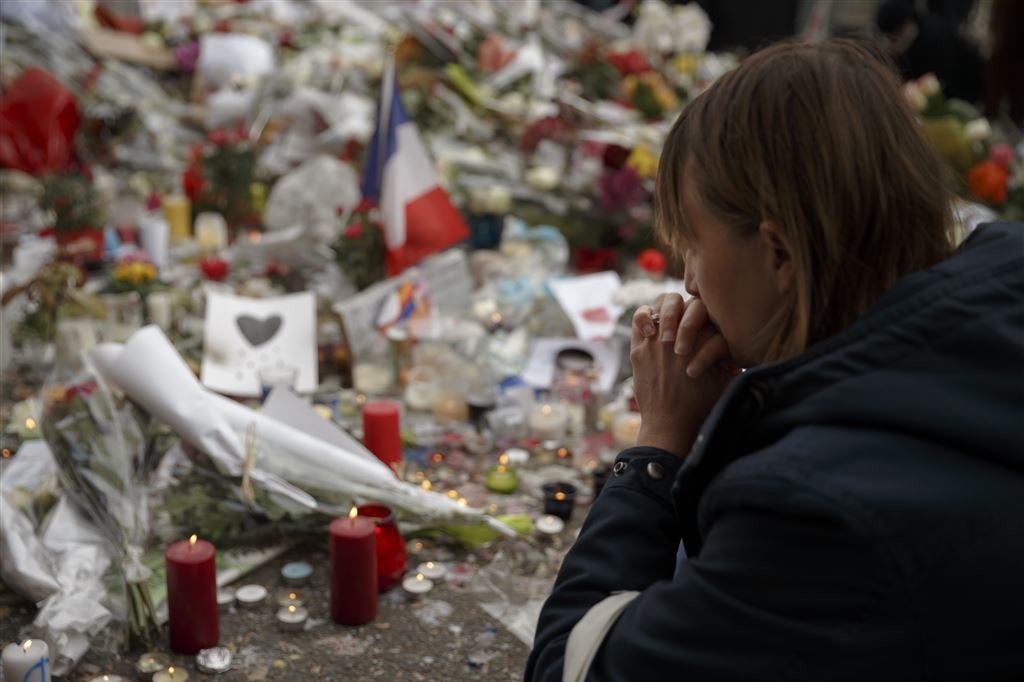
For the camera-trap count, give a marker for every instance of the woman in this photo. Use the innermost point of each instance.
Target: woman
(852, 506)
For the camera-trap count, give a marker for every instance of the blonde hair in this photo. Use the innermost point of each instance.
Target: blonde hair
(819, 139)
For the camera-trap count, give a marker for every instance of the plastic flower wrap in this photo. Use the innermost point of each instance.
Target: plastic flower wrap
(104, 460)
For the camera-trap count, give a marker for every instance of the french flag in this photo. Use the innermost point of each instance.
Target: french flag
(419, 218)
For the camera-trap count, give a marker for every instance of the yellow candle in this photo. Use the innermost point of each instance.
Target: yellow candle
(178, 212)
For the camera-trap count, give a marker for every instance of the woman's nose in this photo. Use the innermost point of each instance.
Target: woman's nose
(689, 280)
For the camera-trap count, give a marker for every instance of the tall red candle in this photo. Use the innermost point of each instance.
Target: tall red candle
(381, 434)
(192, 595)
(353, 549)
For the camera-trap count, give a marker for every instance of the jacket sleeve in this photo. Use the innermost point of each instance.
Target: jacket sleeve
(786, 586)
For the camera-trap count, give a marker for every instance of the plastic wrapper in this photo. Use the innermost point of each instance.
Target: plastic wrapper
(104, 460)
(312, 196)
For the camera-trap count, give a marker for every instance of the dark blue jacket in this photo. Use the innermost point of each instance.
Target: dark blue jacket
(854, 513)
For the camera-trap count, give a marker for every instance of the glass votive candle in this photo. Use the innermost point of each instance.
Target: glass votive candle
(420, 389)
(559, 499)
(392, 557)
(548, 421)
(502, 479)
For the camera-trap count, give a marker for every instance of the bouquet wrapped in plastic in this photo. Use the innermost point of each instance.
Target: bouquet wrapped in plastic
(104, 459)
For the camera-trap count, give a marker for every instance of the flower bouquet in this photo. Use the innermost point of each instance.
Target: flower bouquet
(360, 250)
(220, 179)
(105, 455)
(74, 206)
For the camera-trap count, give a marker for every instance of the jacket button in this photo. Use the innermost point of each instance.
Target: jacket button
(655, 471)
(619, 467)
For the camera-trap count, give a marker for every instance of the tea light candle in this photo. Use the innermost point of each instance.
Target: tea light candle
(625, 429)
(417, 584)
(559, 498)
(549, 525)
(292, 617)
(108, 678)
(290, 598)
(548, 421)
(517, 456)
(450, 406)
(432, 570)
(172, 674)
(214, 661)
(502, 479)
(296, 572)
(29, 660)
(152, 662)
(251, 595)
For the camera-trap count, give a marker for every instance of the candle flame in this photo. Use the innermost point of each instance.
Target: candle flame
(546, 410)
(170, 670)
(453, 494)
(353, 512)
(437, 457)
(192, 540)
(30, 423)
(563, 452)
(425, 485)
(255, 237)
(430, 564)
(496, 318)
(27, 644)
(7, 453)
(463, 502)
(503, 459)
(559, 496)
(501, 468)
(419, 576)
(291, 609)
(292, 595)
(106, 678)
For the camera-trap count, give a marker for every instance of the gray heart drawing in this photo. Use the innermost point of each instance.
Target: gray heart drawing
(256, 331)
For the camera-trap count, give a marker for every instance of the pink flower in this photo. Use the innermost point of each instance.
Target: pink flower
(620, 189)
(354, 231)
(1001, 155)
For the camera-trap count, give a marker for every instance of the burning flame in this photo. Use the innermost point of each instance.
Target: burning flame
(291, 609)
(559, 496)
(546, 410)
(353, 512)
(192, 540)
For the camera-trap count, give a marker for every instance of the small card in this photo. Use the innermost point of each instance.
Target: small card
(588, 301)
(540, 369)
(244, 335)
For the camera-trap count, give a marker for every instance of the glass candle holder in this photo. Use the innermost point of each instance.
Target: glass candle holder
(392, 558)
(559, 499)
(502, 478)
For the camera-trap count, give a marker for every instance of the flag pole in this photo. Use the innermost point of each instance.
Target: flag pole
(386, 101)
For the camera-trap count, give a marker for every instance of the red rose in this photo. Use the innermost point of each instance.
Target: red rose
(615, 156)
(366, 205)
(652, 261)
(192, 182)
(354, 231)
(213, 269)
(219, 137)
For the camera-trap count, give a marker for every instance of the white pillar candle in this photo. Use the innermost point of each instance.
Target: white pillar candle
(27, 662)
(159, 303)
(548, 421)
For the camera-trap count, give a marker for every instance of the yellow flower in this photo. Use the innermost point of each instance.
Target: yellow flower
(135, 273)
(686, 63)
(643, 161)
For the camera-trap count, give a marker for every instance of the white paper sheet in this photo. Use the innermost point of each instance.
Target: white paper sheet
(243, 335)
(588, 301)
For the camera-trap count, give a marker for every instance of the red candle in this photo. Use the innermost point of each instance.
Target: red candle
(192, 595)
(381, 431)
(353, 549)
(391, 555)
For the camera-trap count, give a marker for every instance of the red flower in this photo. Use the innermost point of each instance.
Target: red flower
(219, 137)
(275, 270)
(615, 156)
(652, 261)
(366, 205)
(154, 201)
(192, 181)
(987, 181)
(628, 63)
(82, 390)
(621, 189)
(213, 269)
(354, 231)
(594, 260)
(286, 39)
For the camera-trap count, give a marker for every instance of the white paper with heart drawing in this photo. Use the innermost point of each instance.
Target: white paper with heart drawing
(242, 336)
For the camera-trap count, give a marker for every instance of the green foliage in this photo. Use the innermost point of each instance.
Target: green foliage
(73, 201)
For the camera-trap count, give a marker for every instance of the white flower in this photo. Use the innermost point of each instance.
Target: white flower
(542, 178)
(929, 85)
(692, 28)
(913, 93)
(977, 130)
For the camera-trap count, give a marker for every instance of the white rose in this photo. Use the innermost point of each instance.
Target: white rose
(929, 85)
(977, 130)
(913, 93)
(692, 28)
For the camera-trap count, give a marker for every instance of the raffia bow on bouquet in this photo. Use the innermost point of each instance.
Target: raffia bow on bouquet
(104, 459)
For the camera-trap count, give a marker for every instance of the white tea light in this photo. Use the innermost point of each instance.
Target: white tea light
(29, 660)
(108, 678)
(549, 525)
(432, 570)
(152, 662)
(517, 456)
(296, 572)
(225, 598)
(214, 661)
(417, 584)
(172, 674)
(292, 617)
(251, 595)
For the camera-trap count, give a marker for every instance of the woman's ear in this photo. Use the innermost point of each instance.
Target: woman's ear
(778, 256)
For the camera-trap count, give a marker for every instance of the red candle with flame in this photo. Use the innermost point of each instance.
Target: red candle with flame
(192, 595)
(381, 431)
(353, 550)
